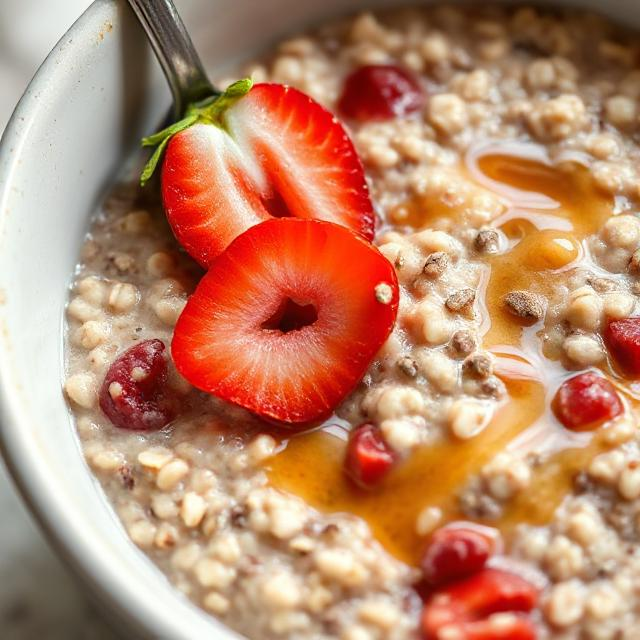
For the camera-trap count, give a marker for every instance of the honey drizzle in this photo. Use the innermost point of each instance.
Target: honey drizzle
(549, 212)
(311, 467)
(546, 242)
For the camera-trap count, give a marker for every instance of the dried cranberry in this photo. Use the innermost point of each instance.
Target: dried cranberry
(369, 458)
(622, 338)
(585, 401)
(133, 394)
(380, 92)
(454, 552)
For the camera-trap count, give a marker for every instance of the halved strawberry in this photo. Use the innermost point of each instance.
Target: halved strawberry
(287, 319)
(584, 402)
(209, 190)
(253, 153)
(467, 608)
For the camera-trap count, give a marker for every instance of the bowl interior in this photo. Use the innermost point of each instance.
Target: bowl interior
(98, 92)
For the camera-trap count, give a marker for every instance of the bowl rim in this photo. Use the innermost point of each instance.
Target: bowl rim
(60, 521)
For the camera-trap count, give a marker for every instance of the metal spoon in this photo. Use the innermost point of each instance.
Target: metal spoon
(175, 52)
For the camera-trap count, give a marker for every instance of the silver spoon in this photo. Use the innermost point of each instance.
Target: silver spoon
(175, 52)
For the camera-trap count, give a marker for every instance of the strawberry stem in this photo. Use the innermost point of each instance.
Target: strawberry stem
(209, 111)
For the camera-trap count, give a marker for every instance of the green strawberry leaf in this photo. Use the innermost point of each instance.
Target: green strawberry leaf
(210, 110)
(171, 130)
(152, 163)
(231, 95)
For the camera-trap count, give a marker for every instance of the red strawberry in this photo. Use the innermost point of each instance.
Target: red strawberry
(246, 157)
(133, 394)
(380, 92)
(622, 338)
(454, 552)
(467, 607)
(586, 401)
(287, 319)
(369, 458)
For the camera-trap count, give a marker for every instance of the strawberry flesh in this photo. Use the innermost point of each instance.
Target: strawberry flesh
(133, 394)
(380, 92)
(467, 606)
(369, 458)
(454, 552)
(287, 319)
(585, 401)
(208, 195)
(277, 153)
(622, 338)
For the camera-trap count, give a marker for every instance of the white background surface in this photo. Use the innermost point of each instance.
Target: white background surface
(38, 600)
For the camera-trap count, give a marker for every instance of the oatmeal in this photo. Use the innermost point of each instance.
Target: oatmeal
(498, 416)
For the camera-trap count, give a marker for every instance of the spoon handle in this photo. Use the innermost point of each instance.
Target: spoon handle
(175, 52)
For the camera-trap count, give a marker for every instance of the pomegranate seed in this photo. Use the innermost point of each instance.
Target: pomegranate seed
(454, 552)
(586, 401)
(622, 338)
(133, 394)
(380, 92)
(369, 458)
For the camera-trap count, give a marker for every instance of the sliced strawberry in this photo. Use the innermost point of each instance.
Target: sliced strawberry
(455, 551)
(380, 92)
(585, 401)
(470, 603)
(287, 319)
(369, 458)
(133, 394)
(622, 338)
(242, 160)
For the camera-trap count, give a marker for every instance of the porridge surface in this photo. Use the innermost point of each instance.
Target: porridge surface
(508, 207)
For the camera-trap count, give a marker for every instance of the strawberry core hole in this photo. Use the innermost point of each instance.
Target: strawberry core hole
(291, 316)
(274, 203)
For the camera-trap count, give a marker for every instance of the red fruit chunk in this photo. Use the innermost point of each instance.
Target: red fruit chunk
(380, 92)
(622, 338)
(287, 319)
(586, 401)
(133, 394)
(278, 152)
(466, 606)
(454, 552)
(369, 458)
(518, 628)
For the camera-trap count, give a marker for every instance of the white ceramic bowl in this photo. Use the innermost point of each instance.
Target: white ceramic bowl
(97, 93)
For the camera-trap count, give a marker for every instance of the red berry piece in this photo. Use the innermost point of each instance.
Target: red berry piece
(454, 552)
(287, 319)
(277, 153)
(496, 628)
(133, 394)
(585, 401)
(465, 608)
(380, 92)
(622, 338)
(369, 458)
